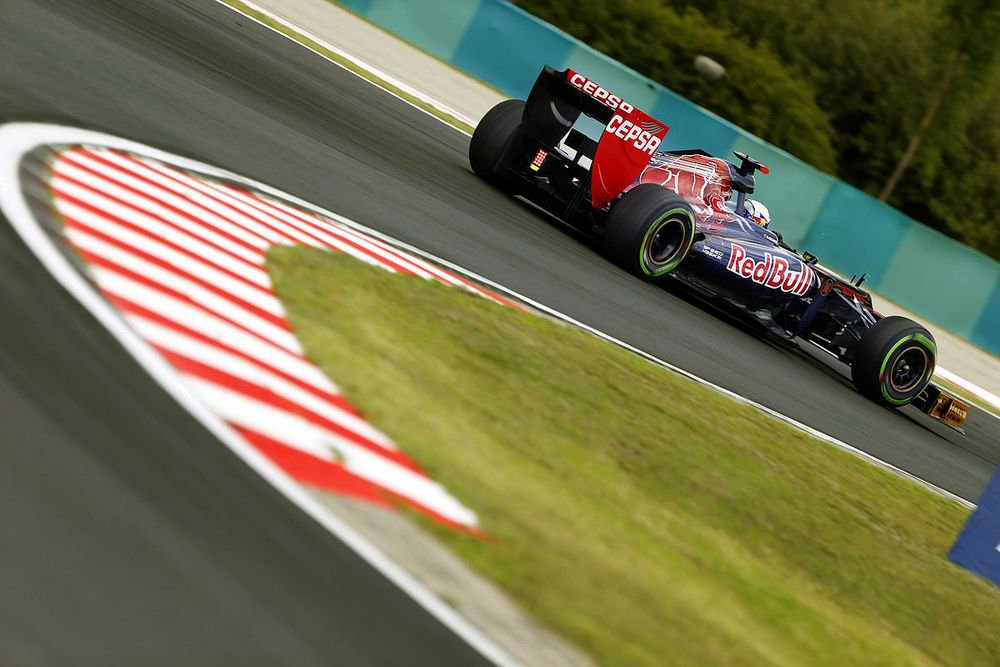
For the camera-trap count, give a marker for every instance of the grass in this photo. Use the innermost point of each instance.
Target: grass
(647, 519)
(344, 62)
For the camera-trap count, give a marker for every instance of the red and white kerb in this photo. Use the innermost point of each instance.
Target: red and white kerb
(181, 257)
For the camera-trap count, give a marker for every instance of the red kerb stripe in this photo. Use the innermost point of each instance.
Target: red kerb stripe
(265, 395)
(160, 218)
(130, 307)
(180, 296)
(163, 264)
(315, 471)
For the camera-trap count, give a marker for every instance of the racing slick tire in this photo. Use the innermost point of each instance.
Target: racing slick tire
(893, 361)
(496, 141)
(649, 231)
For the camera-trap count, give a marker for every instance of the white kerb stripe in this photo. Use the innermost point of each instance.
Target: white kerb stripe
(177, 185)
(317, 237)
(296, 432)
(198, 295)
(212, 327)
(238, 367)
(184, 206)
(367, 240)
(94, 189)
(183, 262)
(249, 216)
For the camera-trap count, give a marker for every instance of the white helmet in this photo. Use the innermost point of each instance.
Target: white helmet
(756, 212)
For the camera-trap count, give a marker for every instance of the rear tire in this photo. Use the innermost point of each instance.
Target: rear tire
(495, 142)
(650, 231)
(893, 361)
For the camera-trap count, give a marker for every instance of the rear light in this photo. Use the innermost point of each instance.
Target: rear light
(536, 164)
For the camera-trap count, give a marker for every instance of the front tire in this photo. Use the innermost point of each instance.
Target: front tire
(894, 361)
(496, 141)
(650, 231)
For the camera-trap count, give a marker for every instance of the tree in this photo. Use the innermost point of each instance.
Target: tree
(973, 26)
(758, 92)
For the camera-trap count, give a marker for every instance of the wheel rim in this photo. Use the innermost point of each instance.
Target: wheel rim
(908, 370)
(664, 242)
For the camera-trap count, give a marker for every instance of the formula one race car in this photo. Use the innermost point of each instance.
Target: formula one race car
(681, 216)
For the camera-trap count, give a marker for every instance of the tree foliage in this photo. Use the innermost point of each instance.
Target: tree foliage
(842, 84)
(662, 43)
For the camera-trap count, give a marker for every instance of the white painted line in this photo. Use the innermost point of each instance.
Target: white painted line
(17, 139)
(990, 398)
(974, 389)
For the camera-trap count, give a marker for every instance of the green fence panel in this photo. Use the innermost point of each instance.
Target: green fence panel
(437, 26)
(793, 192)
(945, 281)
(357, 6)
(506, 47)
(987, 331)
(691, 126)
(855, 233)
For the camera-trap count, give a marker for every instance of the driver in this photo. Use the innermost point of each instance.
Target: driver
(756, 213)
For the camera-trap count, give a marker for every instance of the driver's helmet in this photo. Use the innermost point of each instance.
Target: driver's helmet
(756, 213)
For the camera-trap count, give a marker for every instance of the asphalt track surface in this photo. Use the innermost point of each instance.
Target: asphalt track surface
(132, 536)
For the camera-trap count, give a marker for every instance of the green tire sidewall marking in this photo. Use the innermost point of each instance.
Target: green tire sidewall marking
(931, 345)
(652, 228)
(920, 338)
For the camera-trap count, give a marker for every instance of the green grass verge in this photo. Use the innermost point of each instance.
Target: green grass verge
(340, 60)
(649, 520)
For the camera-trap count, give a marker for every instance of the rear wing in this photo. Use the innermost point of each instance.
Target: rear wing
(629, 140)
